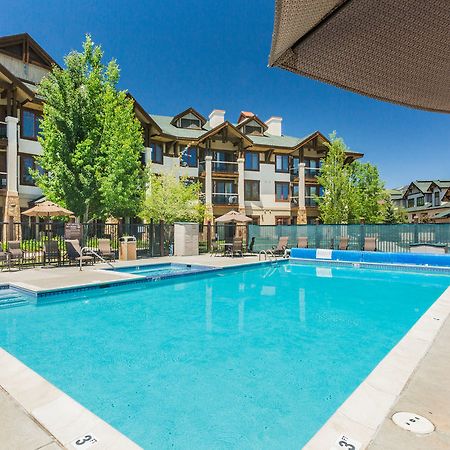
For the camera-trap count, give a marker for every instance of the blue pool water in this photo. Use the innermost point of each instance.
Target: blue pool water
(162, 270)
(255, 358)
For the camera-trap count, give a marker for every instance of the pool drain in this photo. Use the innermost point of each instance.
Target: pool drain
(413, 422)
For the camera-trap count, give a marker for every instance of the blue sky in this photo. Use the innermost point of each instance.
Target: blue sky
(176, 53)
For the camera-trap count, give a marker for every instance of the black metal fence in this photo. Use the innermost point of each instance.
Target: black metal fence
(152, 239)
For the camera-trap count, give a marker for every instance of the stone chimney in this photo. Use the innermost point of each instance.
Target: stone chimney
(274, 124)
(216, 117)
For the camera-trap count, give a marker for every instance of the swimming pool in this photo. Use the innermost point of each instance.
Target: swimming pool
(162, 270)
(257, 357)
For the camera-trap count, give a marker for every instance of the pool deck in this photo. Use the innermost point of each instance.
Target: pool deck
(30, 406)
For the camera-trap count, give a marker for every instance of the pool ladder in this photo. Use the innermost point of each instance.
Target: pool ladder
(89, 251)
(266, 253)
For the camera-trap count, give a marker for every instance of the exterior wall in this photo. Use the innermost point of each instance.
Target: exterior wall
(22, 70)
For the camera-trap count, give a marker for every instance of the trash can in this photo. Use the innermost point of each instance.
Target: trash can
(127, 248)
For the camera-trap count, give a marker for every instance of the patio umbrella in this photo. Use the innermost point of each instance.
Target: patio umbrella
(47, 209)
(396, 51)
(233, 217)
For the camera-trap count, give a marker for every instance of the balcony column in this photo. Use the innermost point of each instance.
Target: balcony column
(12, 207)
(208, 188)
(301, 212)
(241, 185)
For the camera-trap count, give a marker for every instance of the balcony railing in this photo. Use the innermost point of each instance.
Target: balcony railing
(3, 134)
(309, 201)
(3, 180)
(220, 166)
(310, 172)
(224, 198)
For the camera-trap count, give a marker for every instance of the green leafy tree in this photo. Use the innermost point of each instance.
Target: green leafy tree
(338, 203)
(369, 190)
(393, 214)
(91, 139)
(173, 199)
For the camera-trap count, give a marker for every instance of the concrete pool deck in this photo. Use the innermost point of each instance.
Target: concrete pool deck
(427, 390)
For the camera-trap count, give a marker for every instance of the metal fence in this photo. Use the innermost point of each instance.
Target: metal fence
(390, 238)
(152, 239)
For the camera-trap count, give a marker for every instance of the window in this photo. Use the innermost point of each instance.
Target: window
(251, 190)
(437, 198)
(281, 192)
(156, 152)
(188, 156)
(311, 192)
(410, 203)
(420, 201)
(282, 163)
(3, 179)
(224, 193)
(251, 129)
(190, 123)
(251, 161)
(27, 163)
(295, 163)
(30, 124)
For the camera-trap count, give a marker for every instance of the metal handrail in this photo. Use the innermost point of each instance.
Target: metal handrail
(93, 252)
(266, 253)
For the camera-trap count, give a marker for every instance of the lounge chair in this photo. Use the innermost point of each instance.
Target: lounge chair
(105, 250)
(343, 243)
(302, 242)
(74, 252)
(15, 253)
(51, 251)
(370, 244)
(282, 245)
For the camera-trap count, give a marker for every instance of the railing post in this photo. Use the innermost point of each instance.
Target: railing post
(161, 237)
(362, 234)
(152, 231)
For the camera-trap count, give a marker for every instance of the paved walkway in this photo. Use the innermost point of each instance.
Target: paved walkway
(427, 392)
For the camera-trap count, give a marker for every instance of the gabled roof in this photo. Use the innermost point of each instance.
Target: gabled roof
(247, 120)
(24, 47)
(245, 115)
(441, 184)
(189, 111)
(422, 185)
(165, 124)
(230, 127)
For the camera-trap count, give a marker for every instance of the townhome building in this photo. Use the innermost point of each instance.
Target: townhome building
(427, 201)
(248, 164)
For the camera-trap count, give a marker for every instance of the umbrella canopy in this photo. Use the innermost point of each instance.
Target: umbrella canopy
(233, 216)
(398, 51)
(47, 209)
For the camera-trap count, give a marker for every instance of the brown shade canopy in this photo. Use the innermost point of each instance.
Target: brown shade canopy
(47, 209)
(233, 216)
(398, 51)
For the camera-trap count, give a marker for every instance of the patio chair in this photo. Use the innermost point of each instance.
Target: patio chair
(302, 242)
(343, 243)
(280, 248)
(51, 251)
(370, 244)
(216, 249)
(236, 249)
(105, 250)
(74, 252)
(4, 260)
(15, 253)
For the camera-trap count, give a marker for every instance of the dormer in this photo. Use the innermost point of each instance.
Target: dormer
(189, 119)
(250, 124)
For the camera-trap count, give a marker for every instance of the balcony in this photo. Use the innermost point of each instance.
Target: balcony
(225, 198)
(227, 167)
(309, 201)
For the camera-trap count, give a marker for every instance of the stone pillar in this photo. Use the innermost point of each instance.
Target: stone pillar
(12, 207)
(241, 185)
(208, 188)
(301, 212)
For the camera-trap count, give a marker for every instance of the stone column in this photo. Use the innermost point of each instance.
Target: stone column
(208, 188)
(241, 185)
(301, 212)
(12, 207)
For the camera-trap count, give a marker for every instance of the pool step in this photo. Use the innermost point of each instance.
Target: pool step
(10, 298)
